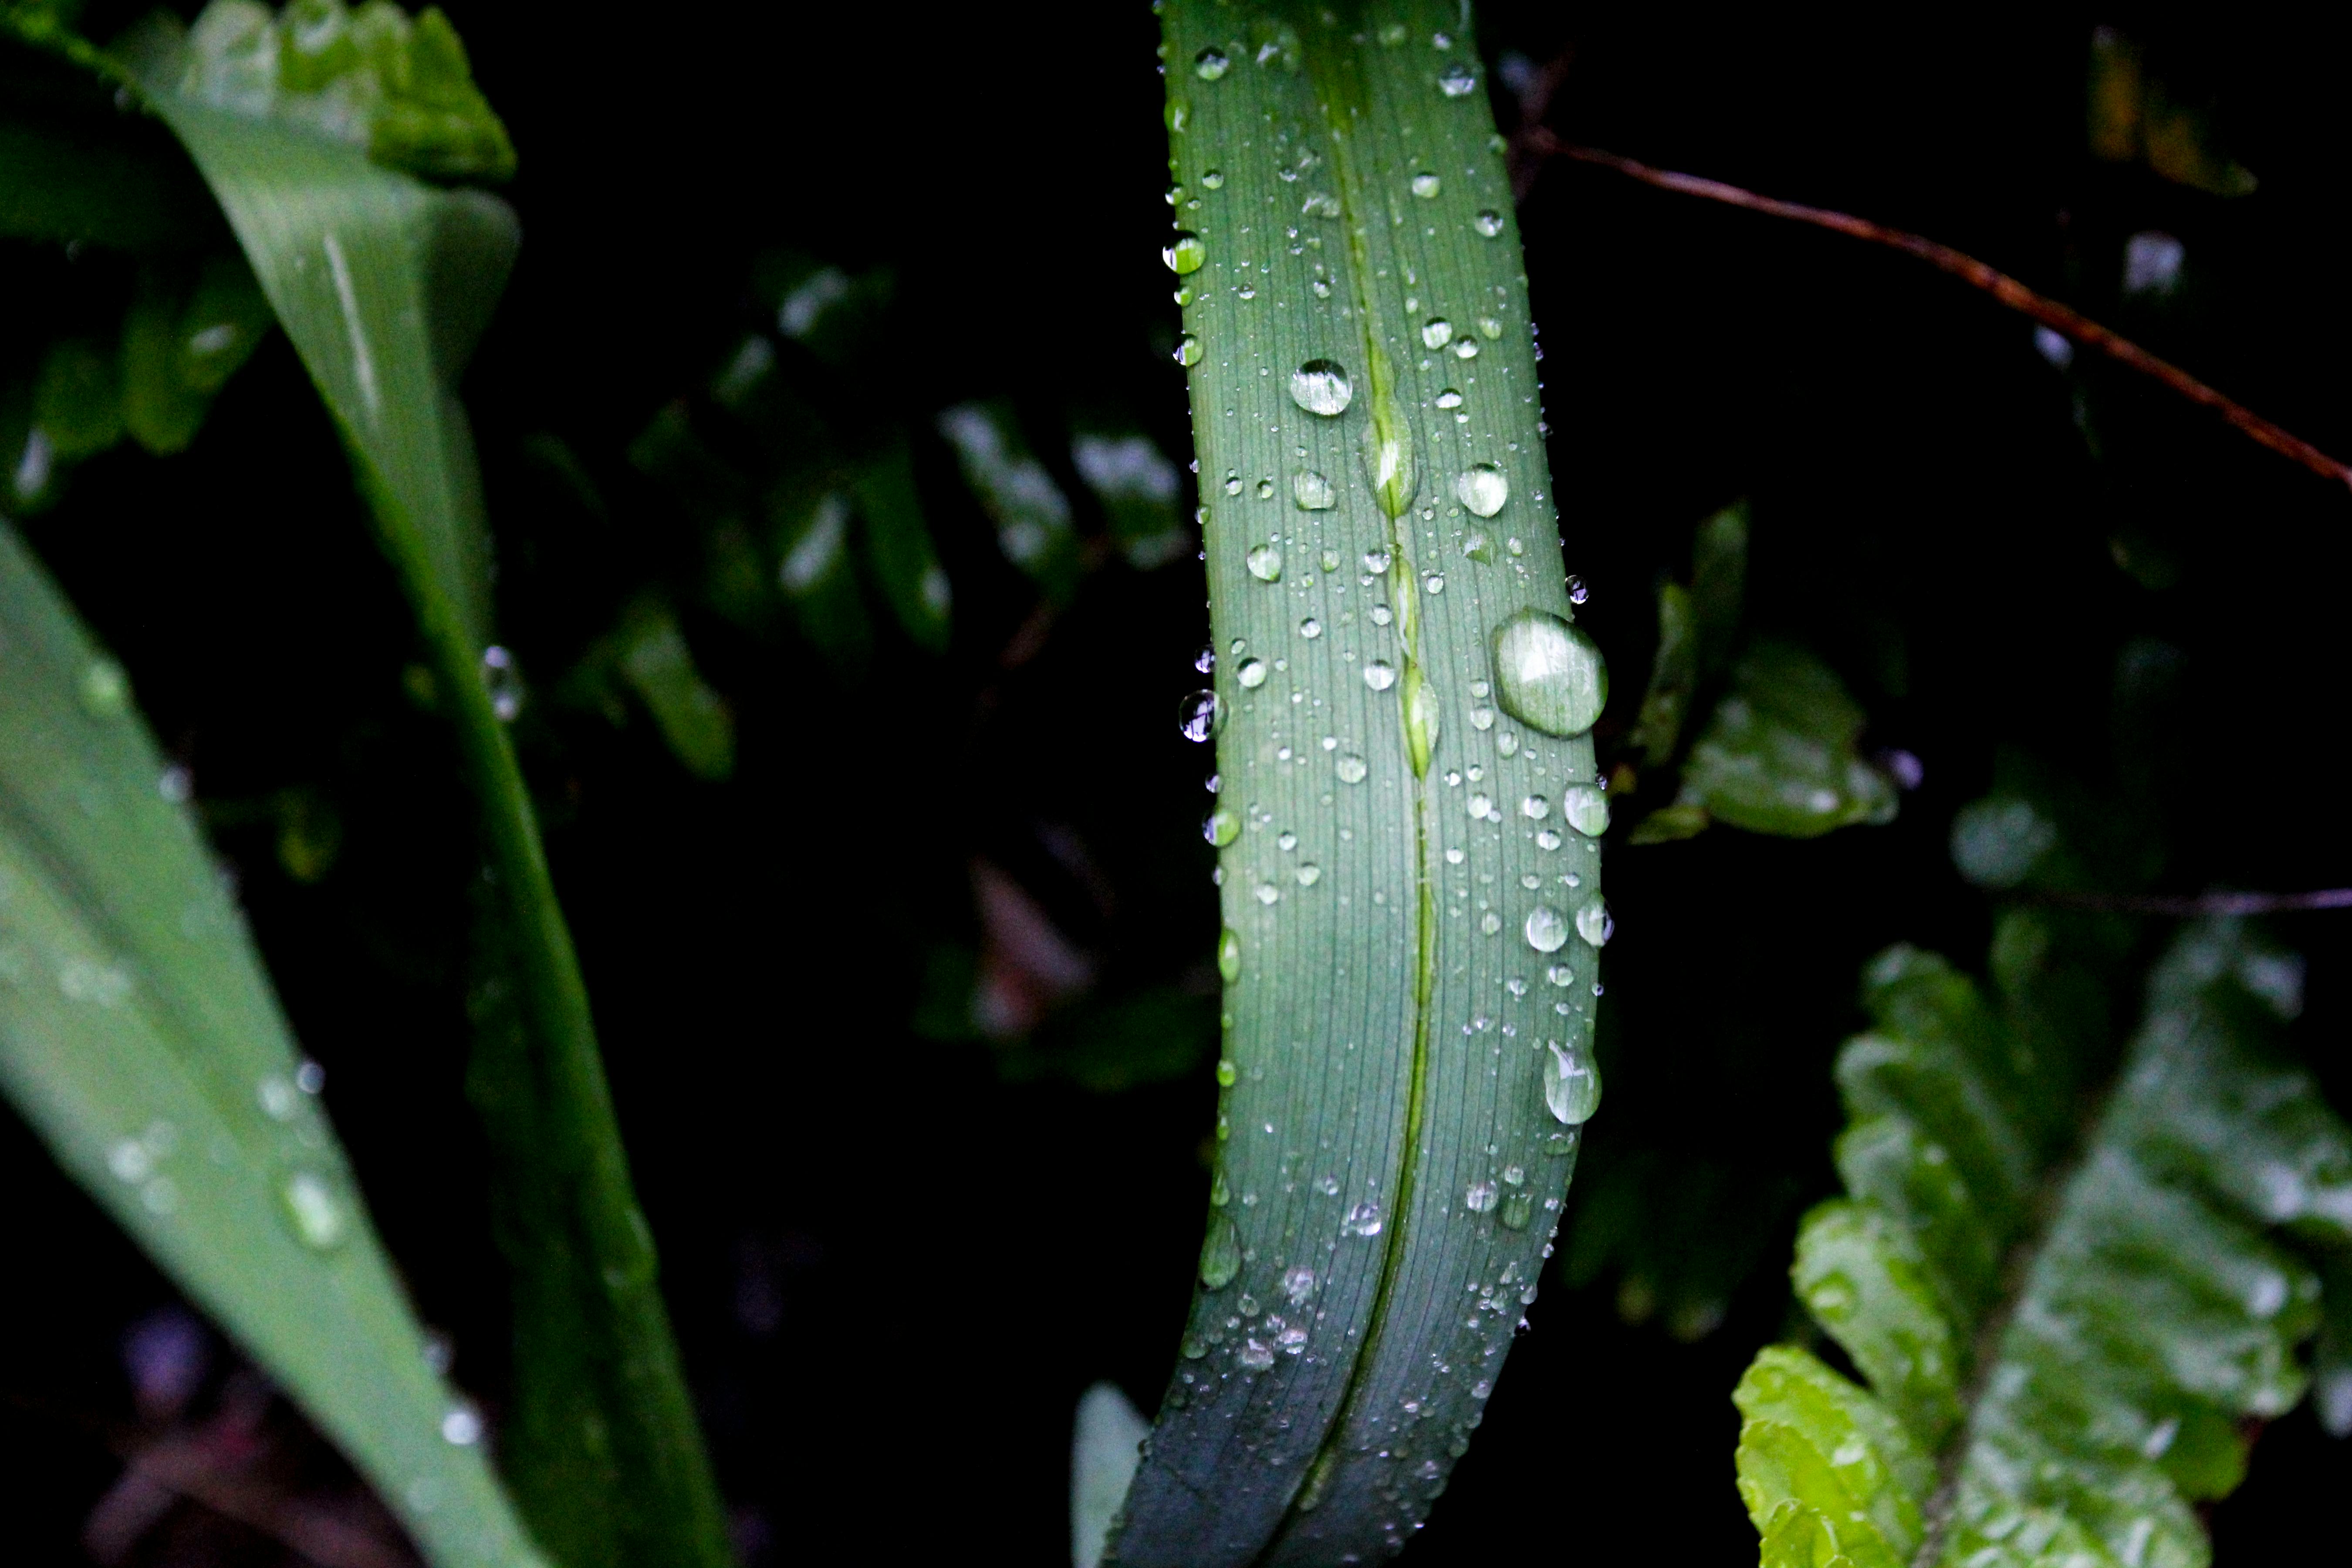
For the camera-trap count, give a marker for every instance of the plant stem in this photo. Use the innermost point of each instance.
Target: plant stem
(2049, 312)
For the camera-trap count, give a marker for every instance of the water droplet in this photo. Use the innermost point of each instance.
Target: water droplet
(1232, 483)
(1376, 560)
(1488, 223)
(1320, 386)
(1479, 806)
(1433, 583)
(1255, 1355)
(1313, 491)
(1513, 1175)
(1586, 806)
(1477, 546)
(1535, 808)
(461, 1427)
(1221, 1254)
(1200, 715)
(1329, 560)
(1209, 63)
(1426, 186)
(1195, 1347)
(1185, 253)
(1205, 660)
(1188, 350)
(1266, 490)
(1227, 1072)
(310, 1078)
(279, 1097)
(1310, 628)
(1252, 674)
(1265, 562)
(1518, 1210)
(1546, 929)
(1481, 1196)
(1561, 974)
(105, 690)
(1594, 923)
(1467, 349)
(1449, 398)
(1490, 328)
(1350, 768)
(1548, 675)
(1560, 1146)
(316, 1212)
(1481, 719)
(1363, 1219)
(1577, 591)
(1298, 1283)
(1382, 615)
(1437, 331)
(1309, 874)
(503, 681)
(1483, 489)
(1571, 1086)
(1229, 953)
(1457, 79)
(1506, 743)
(1380, 675)
(1213, 180)
(1221, 827)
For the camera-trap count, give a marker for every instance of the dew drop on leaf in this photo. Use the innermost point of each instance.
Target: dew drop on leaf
(1436, 333)
(1210, 63)
(1221, 1254)
(1213, 180)
(1320, 386)
(1488, 223)
(1251, 673)
(1546, 929)
(1350, 769)
(1483, 489)
(1518, 1210)
(1586, 806)
(1200, 715)
(1188, 350)
(1456, 80)
(314, 1210)
(1594, 923)
(1313, 491)
(1221, 827)
(1265, 562)
(1481, 1196)
(1185, 253)
(1571, 1085)
(1548, 675)
(105, 690)
(1380, 675)
(1229, 954)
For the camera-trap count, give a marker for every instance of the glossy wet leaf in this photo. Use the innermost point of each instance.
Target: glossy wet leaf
(1411, 921)
(2076, 1330)
(139, 1037)
(1778, 754)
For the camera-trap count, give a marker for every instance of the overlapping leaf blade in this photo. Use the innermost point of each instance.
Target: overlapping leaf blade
(2075, 1330)
(139, 1037)
(1403, 876)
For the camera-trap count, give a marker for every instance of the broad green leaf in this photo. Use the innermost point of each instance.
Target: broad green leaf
(1777, 755)
(140, 1039)
(383, 284)
(1411, 897)
(1031, 513)
(2111, 1312)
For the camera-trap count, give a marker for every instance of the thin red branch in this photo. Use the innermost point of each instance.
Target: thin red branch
(2058, 317)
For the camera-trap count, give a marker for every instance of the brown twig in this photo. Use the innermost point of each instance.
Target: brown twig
(2189, 905)
(2058, 317)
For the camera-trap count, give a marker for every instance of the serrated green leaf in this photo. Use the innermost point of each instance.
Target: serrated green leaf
(2149, 1303)
(1412, 927)
(1777, 755)
(139, 1037)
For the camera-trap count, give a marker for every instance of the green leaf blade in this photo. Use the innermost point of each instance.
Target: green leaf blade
(139, 1037)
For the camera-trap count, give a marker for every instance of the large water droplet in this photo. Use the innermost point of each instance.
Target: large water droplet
(1251, 673)
(1254, 1354)
(1313, 491)
(1571, 1085)
(1535, 808)
(1457, 79)
(1350, 768)
(1548, 675)
(1298, 1283)
(1426, 186)
(315, 1210)
(1363, 1219)
(1594, 923)
(1209, 63)
(1488, 223)
(1481, 1196)
(503, 681)
(1320, 386)
(1586, 806)
(1221, 1254)
(461, 1427)
(1221, 827)
(1212, 180)
(1546, 929)
(1200, 715)
(1518, 1210)
(1483, 489)
(1449, 398)
(1380, 675)
(1188, 350)
(105, 690)
(1309, 874)
(1265, 562)
(1229, 953)
(1310, 628)
(1185, 253)
(1437, 331)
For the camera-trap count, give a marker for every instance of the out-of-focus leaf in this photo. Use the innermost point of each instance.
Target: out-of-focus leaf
(1718, 585)
(1779, 752)
(1031, 513)
(78, 164)
(2133, 118)
(79, 399)
(900, 549)
(30, 470)
(140, 1039)
(826, 311)
(1140, 493)
(2126, 1288)
(399, 90)
(1154, 1037)
(820, 579)
(2331, 1359)
(693, 719)
(1679, 1236)
(181, 344)
(1673, 676)
(1103, 1452)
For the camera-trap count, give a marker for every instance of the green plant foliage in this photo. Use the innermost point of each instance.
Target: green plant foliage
(1140, 493)
(140, 1039)
(1409, 873)
(1031, 513)
(1779, 754)
(647, 654)
(2134, 117)
(2062, 1340)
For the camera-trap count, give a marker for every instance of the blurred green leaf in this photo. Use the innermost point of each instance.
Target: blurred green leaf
(182, 340)
(139, 1037)
(2074, 1332)
(1031, 513)
(1718, 585)
(79, 399)
(1674, 677)
(1779, 755)
(693, 719)
(2133, 117)
(898, 548)
(1141, 492)
(820, 579)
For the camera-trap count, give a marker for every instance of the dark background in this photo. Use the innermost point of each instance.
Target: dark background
(894, 1265)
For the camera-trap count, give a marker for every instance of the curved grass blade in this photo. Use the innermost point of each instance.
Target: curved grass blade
(139, 1037)
(383, 284)
(1410, 876)
(2064, 1344)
